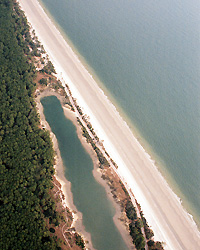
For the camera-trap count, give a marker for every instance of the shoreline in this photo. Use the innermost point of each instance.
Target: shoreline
(120, 162)
(156, 160)
(59, 171)
(146, 147)
(66, 185)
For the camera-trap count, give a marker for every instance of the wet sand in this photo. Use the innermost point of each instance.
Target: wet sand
(161, 207)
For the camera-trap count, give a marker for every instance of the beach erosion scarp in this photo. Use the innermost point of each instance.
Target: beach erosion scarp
(162, 209)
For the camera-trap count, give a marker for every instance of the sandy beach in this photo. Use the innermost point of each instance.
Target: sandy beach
(162, 208)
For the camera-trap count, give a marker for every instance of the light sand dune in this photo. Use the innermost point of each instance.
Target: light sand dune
(161, 207)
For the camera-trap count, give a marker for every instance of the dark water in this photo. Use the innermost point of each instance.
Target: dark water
(147, 54)
(89, 196)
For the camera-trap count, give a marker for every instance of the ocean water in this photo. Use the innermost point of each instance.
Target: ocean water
(147, 56)
(89, 196)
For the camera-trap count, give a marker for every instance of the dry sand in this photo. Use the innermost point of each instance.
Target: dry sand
(66, 185)
(161, 207)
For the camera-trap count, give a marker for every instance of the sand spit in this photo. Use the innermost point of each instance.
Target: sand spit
(161, 207)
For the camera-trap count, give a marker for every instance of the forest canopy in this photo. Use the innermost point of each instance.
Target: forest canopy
(27, 157)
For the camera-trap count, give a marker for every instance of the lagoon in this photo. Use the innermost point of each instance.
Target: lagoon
(89, 196)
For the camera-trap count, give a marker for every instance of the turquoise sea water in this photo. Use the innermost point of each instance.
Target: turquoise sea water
(89, 196)
(147, 55)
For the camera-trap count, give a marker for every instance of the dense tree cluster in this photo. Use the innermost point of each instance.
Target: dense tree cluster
(134, 226)
(79, 241)
(43, 81)
(27, 40)
(26, 162)
(135, 229)
(48, 68)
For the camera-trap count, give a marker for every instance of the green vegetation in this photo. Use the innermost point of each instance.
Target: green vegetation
(134, 226)
(27, 157)
(28, 212)
(43, 81)
(148, 232)
(30, 45)
(101, 158)
(135, 223)
(79, 241)
(48, 68)
(52, 230)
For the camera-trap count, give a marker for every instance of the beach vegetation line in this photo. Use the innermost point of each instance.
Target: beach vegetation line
(29, 212)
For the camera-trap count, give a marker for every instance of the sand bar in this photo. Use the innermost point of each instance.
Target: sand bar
(161, 207)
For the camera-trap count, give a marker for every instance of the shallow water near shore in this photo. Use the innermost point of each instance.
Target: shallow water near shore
(147, 55)
(89, 196)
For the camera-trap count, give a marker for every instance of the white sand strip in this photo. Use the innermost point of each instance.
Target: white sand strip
(161, 206)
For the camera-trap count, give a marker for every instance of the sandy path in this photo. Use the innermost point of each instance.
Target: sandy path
(161, 207)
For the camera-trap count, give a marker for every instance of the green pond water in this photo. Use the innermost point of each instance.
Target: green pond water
(89, 196)
(147, 55)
